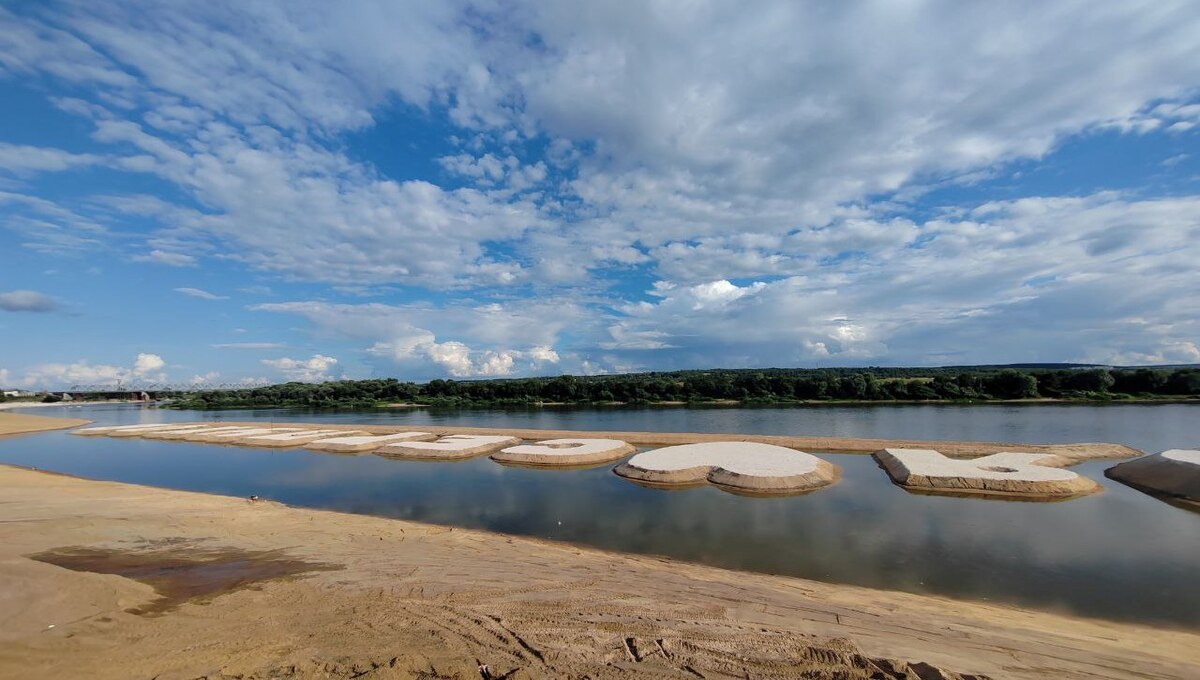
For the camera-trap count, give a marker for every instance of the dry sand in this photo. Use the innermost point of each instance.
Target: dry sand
(19, 423)
(1009, 474)
(1069, 453)
(739, 467)
(343, 596)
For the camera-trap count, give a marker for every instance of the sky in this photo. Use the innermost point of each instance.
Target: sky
(231, 192)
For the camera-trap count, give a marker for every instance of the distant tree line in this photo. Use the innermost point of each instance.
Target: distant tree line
(743, 386)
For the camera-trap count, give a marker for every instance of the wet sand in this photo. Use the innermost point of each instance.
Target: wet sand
(1069, 453)
(109, 580)
(19, 423)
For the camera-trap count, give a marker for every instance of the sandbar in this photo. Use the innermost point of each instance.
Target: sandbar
(368, 597)
(1011, 474)
(136, 431)
(367, 443)
(108, 430)
(234, 432)
(19, 423)
(565, 452)
(279, 440)
(184, 433)
(748, 467)
(453, 447)
(1066, 453)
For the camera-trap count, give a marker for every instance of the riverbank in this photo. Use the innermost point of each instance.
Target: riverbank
(10, 405)
(357, 596)
(20, 423)
(185, 404)
(1068, 453)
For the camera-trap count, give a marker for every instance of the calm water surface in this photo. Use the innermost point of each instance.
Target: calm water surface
(1120, 554)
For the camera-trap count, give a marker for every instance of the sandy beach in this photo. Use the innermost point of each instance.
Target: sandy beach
(20, 423)
(269, 591)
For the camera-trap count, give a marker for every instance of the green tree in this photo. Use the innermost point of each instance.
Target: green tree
(1011, 384)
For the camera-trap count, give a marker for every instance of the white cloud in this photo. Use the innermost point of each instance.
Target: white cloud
(27, 301)
(204, 379)
(202, 294)
(168, 258)
(146, 368)
(454, 340)
(23, 159)
(147, 363)
(313, 369)
(751, 161)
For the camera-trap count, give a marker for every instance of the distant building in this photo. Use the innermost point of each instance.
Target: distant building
(67, 397)
(18, 393)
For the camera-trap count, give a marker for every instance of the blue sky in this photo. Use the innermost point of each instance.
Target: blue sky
(236, 192)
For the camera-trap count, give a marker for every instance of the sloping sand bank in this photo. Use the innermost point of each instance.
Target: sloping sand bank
(338, 596)
(1069, 453)
(19, 423)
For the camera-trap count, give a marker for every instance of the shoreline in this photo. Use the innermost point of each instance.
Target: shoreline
(405, 595)
(715, 403)
(11, 405)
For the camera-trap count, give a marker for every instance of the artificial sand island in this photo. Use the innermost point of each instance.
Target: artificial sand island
(108, 580)
(1174, 474)
(279, 440)
(747, 464)
(367, 443)
(1020, 475)
(746, 467)
(453, 447)
(565, 452)
(222, 435)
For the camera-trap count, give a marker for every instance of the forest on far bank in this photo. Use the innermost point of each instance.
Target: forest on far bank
(773, 385)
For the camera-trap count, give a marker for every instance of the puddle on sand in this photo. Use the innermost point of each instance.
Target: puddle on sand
(183, 574)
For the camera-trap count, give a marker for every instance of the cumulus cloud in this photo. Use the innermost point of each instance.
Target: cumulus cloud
(147, 363)
(27, 301)
(202, 294)
(146, 368)
(759, 170)
(314, 369)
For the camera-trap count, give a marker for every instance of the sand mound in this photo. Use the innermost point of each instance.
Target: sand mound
(449, 448)
(1025, 475)
(114, 430)
(279, 440)
(235, 432)
(367, 442)
(565, 452)
(746, 467)
(184, 432)
(1174, 473)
